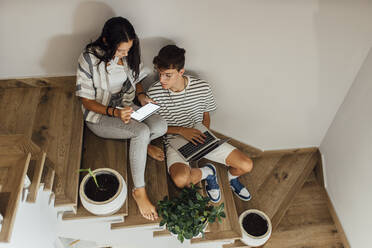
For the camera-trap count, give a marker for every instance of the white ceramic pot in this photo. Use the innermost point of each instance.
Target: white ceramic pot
(109, 206)
(251, 240)
(197, 236)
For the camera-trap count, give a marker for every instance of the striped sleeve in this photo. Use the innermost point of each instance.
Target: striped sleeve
(84, 77)
(210, 104)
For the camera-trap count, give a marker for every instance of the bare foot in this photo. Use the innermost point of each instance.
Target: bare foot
(155, 152)
(146, 208)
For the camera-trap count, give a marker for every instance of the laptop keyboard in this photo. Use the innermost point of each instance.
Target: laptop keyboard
(190, 148)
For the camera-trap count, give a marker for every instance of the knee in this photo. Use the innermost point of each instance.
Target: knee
(181, 180)
(143, 130)
(246, 165)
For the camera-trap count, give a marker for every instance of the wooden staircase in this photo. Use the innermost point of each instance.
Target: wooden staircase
(40, 119)
(41, 132)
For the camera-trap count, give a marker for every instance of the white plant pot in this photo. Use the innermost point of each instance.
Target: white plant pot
(197, 236)
(109, 206)
(251, 240)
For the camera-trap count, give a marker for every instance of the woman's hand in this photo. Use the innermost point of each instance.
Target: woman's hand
(193, 135)
(144, 99)
(124, 114)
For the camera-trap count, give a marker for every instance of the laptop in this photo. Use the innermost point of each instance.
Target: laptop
(190, 152)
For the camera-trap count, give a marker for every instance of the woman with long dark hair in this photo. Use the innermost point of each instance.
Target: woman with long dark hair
(108, 80)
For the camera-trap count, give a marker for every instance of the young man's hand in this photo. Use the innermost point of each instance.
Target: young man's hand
(144, 99)
(193, 135)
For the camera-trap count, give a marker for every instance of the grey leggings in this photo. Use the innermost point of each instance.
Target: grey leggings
(140, 135)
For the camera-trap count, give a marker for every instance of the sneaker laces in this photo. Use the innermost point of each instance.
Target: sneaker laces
(212, 182)
(236, 184)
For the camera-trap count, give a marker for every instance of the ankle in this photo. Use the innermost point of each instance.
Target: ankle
(139, 191)
(230, 176)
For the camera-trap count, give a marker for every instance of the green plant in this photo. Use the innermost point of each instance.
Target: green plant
(188, 214)
(92, 175)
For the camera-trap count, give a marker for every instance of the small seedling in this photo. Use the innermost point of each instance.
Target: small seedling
(92, 175)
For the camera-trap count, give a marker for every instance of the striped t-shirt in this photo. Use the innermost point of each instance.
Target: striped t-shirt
(184, 108)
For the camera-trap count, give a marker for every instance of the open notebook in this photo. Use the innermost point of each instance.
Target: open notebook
(144, 112)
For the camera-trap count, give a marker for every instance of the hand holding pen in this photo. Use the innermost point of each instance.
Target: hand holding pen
(124, 113)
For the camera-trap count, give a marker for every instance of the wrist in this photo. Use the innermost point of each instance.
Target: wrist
(180, 130)
(141, 93)
(115, 112)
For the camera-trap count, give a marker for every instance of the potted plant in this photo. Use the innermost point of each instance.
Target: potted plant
(256, 227)
(188, 214)
(102, 191)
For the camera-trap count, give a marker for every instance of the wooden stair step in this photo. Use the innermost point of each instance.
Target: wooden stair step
(102, 153)
(13, 168)
(18, 109)
(279, 186)
(229, 228)
(43, 82)
(58, 130)
(47, 177)
(306, 223)
(18, 144)
(156, 188)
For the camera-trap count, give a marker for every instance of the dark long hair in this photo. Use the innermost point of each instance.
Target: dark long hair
(115, 31)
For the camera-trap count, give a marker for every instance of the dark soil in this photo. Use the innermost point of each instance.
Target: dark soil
(255, 225)
(108, 186)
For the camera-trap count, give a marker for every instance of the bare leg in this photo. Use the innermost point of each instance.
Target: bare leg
(182, 175)
(238, 163)
(146, 208)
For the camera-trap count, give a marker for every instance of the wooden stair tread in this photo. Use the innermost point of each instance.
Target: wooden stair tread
(43, 82)
(156, 188)
(19, 114)
(229, 228)
(58, 130)
(17, 144)
(279, 185)
(47, 177)
(309, 207)
(101, 153)
(308, 221)
(13, 168)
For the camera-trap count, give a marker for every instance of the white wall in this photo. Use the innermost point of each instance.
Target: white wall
(35, 225)
(279, 69)
(347, 150)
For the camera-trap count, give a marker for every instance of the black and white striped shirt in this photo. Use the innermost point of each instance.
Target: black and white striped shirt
(184, 108)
